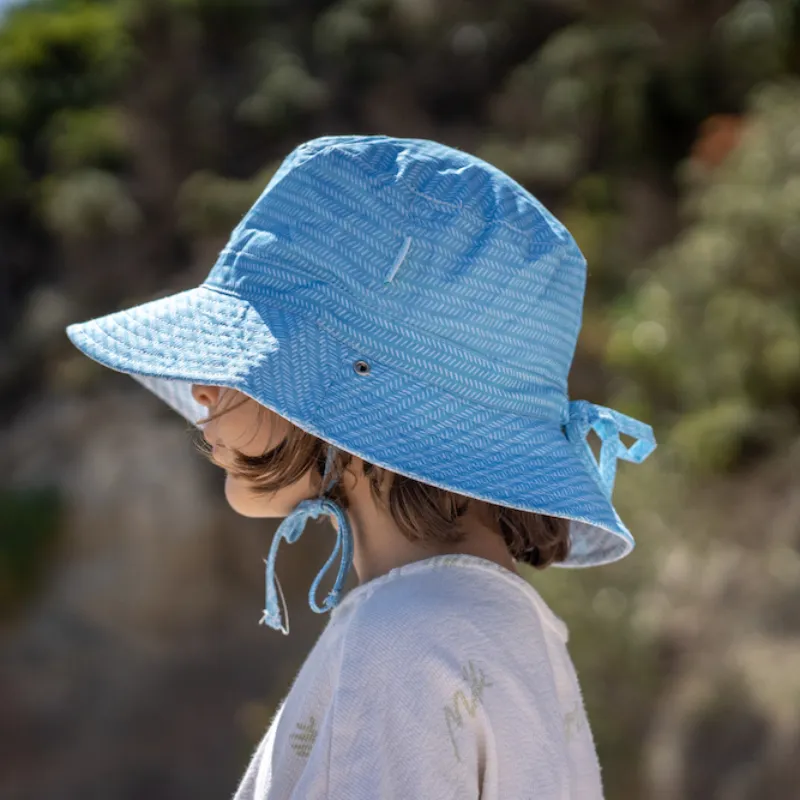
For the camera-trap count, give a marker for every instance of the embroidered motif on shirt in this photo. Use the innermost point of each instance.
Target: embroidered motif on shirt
(573, 722)
(476, 683)
(303, 740)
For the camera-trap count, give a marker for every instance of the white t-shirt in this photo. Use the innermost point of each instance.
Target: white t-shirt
(448, 679)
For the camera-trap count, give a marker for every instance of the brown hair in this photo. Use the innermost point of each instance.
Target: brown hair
(421, 512)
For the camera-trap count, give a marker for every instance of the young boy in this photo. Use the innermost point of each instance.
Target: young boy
(385, 340)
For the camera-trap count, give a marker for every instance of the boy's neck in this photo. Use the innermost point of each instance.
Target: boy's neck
(379, 546)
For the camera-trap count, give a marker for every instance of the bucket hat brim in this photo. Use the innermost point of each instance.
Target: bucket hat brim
(392, 419)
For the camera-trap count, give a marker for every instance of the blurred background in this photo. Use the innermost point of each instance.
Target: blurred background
(133, 136)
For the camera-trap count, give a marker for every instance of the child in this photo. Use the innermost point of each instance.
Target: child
(385, 340)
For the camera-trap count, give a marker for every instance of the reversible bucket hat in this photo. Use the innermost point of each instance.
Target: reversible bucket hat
(412, 305)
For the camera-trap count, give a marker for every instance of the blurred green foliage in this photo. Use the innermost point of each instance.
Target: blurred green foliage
(208, 203)
(712, 335)
(81, 137)
(29, 524)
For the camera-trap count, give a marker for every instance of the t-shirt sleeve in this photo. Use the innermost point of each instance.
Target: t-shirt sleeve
(407, 718)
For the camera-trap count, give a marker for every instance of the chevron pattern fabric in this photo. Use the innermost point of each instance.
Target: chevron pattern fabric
(456, 288)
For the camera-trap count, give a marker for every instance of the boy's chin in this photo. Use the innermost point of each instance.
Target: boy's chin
(247, 503)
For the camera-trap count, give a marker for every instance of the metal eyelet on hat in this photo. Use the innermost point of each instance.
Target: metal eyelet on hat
(361, 367)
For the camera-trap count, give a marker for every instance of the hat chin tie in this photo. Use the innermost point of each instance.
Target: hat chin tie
(291, 529)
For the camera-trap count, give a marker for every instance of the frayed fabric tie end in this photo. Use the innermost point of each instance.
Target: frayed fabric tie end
(272, 616)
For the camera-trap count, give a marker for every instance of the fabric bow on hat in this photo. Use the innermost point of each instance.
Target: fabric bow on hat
(608, 424)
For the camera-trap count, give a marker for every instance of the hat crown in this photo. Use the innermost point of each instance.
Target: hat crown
(424, 241)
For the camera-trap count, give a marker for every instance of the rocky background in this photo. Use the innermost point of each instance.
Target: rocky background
(133, 135)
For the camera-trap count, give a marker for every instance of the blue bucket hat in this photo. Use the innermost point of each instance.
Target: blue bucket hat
(412, 305)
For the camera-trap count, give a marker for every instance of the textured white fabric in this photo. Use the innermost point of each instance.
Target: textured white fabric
(448, 678)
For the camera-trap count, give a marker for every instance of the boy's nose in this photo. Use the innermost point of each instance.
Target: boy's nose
(205, 395)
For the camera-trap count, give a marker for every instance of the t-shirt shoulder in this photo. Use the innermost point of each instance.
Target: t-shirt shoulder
(444, 598)
(446, 622)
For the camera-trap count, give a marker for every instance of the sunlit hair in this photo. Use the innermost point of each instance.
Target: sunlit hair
(420, 511)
